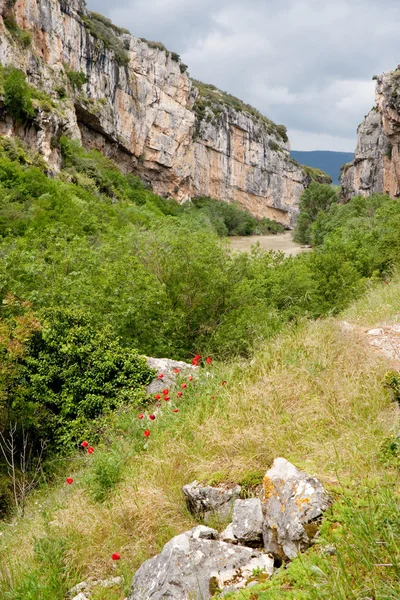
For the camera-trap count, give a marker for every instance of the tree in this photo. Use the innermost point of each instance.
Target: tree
(317, 197)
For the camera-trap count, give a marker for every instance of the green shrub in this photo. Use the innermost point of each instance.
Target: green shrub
(77, 78)
(20, 35)
(103, 30)
(18, 96)
(104, 475)
(317, 197)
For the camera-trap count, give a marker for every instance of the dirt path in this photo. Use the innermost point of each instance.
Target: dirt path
(282, 242)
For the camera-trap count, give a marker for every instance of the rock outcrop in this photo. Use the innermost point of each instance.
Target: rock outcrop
(376, 165)
(195, 565)
(208, 501)
(134, 101)
(293, 504)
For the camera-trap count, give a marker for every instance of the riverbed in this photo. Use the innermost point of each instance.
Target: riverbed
(281, 242)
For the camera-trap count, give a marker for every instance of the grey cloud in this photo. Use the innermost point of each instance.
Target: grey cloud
(305, 63)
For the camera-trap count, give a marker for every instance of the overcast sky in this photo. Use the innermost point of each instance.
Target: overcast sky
(305, 63)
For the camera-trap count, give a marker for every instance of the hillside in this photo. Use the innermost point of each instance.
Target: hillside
(327, 161)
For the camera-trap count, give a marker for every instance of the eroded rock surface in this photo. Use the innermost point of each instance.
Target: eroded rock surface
(207, 501)
(138, 107)
(293, 504)
(247, 521)
(190, 566)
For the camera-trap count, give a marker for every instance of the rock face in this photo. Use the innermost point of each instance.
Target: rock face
(208, 501)
(376, 165)
(192, 566)
(138, 107)
(293, 504)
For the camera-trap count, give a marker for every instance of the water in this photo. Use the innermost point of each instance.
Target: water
(282, 242)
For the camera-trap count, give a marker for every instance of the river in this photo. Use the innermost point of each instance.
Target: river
(281, 242)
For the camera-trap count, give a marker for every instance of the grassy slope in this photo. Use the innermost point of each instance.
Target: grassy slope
(314, 395)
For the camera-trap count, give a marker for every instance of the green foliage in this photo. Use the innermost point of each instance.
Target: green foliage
(231, 219)
(104, 474)
(17, 96)
(77, 79)
(103, 30)
(317, 197)
(20, 35)
(210, 96)
(392, 382)
(155, 45)
(64, 374)
(316, 175)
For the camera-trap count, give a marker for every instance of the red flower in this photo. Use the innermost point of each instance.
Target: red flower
(179, 394)
(166, 392)
(184, 386)
(161, 375)
(196, 360)
(116, 556)
(387, 283)
(208, 360)
(69, 480)
(190, 378)
(147, 433)
(90, 450)
(140, 416)
(176, 370)
(85, 444)
(176, 410)
(224, 383)
(152, 417)
(166, 398)
(212, 397)
(157, 397)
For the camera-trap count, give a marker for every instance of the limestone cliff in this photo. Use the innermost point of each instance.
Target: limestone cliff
(134, 101)
(376, 165)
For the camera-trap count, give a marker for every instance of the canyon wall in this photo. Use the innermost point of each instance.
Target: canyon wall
(376, 165)
(136, 103)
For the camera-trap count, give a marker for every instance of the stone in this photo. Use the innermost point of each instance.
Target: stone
(375, 332)
(193, 567)
(247, 521)
(80, 596)
(227, 535)
(207, 501)
(165, 366)
(204, 533)
(293, 503)
(78, 588)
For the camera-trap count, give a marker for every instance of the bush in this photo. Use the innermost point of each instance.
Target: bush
(105, 473)
(77, 78)
(317, 197)
(67, 373)
(18, 96)
(103, 30)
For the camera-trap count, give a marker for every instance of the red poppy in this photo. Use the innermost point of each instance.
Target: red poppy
(69, 480)
(147, 433)
(116, 556)
(166, 398)
(184, 386)
(166, 392)
(208, 360)
(196, 360)
(176, 370)
(387, 283)
(157, 397)
(161, 375)
(152, 417)
(179, 394)
(85, 444)
(190, 378)
(140, 416)
(176, 410)
(224, 383)
(90, 450)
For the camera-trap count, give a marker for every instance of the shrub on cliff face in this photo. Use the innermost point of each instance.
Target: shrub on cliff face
(17, 95)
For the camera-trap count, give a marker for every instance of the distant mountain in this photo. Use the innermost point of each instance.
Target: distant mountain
(327, 161)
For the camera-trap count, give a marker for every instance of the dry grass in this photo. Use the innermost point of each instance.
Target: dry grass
(314, 396)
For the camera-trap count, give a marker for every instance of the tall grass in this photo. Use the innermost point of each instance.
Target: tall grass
(313, 395)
